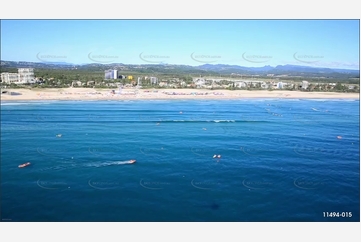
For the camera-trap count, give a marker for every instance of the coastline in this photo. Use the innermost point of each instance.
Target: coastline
(162, 94)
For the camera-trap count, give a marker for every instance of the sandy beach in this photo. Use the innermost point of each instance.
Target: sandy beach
(153, 94)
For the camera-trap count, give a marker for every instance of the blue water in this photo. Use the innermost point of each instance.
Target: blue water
(280, 160)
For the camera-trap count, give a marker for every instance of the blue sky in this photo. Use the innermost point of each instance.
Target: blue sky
(319, 43)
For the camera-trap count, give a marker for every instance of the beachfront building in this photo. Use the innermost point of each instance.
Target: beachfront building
(24, 76)
(199, 82)
(77, 83)
(265, 85)
(305, 84)
(240, 84)
(248, 83)
(254, 83)
(90, 83)
(9, 78)
(163, 84)
(153, 80)
(111, 74)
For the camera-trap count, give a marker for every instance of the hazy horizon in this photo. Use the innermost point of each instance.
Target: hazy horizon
(166, 64)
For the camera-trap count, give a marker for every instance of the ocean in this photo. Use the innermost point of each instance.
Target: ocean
(281, 160)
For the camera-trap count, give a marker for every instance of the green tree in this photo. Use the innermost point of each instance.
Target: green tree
(339, 87)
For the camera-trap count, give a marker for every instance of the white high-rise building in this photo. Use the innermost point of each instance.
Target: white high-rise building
(24, 76)
(153, 80)
(111, 74)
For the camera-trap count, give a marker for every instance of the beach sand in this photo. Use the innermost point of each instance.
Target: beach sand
(153, 94)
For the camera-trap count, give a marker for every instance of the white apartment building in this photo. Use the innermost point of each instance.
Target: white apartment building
(111, 74)
(9, 78)
(153, 80)
(24, 76)
(305, 84)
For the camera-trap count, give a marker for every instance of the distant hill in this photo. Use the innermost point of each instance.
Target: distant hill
(233, 68)
(274, 70)
(26, 64)
(206, 69)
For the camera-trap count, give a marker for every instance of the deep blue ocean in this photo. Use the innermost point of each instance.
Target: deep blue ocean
(281, 161)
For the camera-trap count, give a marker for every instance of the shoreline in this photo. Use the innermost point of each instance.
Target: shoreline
(90, 94)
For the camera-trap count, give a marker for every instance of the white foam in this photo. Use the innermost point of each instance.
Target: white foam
(224, 121)
(23, 103)
(109, 163)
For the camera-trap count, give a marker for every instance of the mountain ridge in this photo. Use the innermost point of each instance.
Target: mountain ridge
(214, 68)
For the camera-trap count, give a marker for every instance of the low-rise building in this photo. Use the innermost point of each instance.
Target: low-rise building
(264, 85)
(163, 84)
(199, 82)
(305, 84)
(76, 83)
(240, 84)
